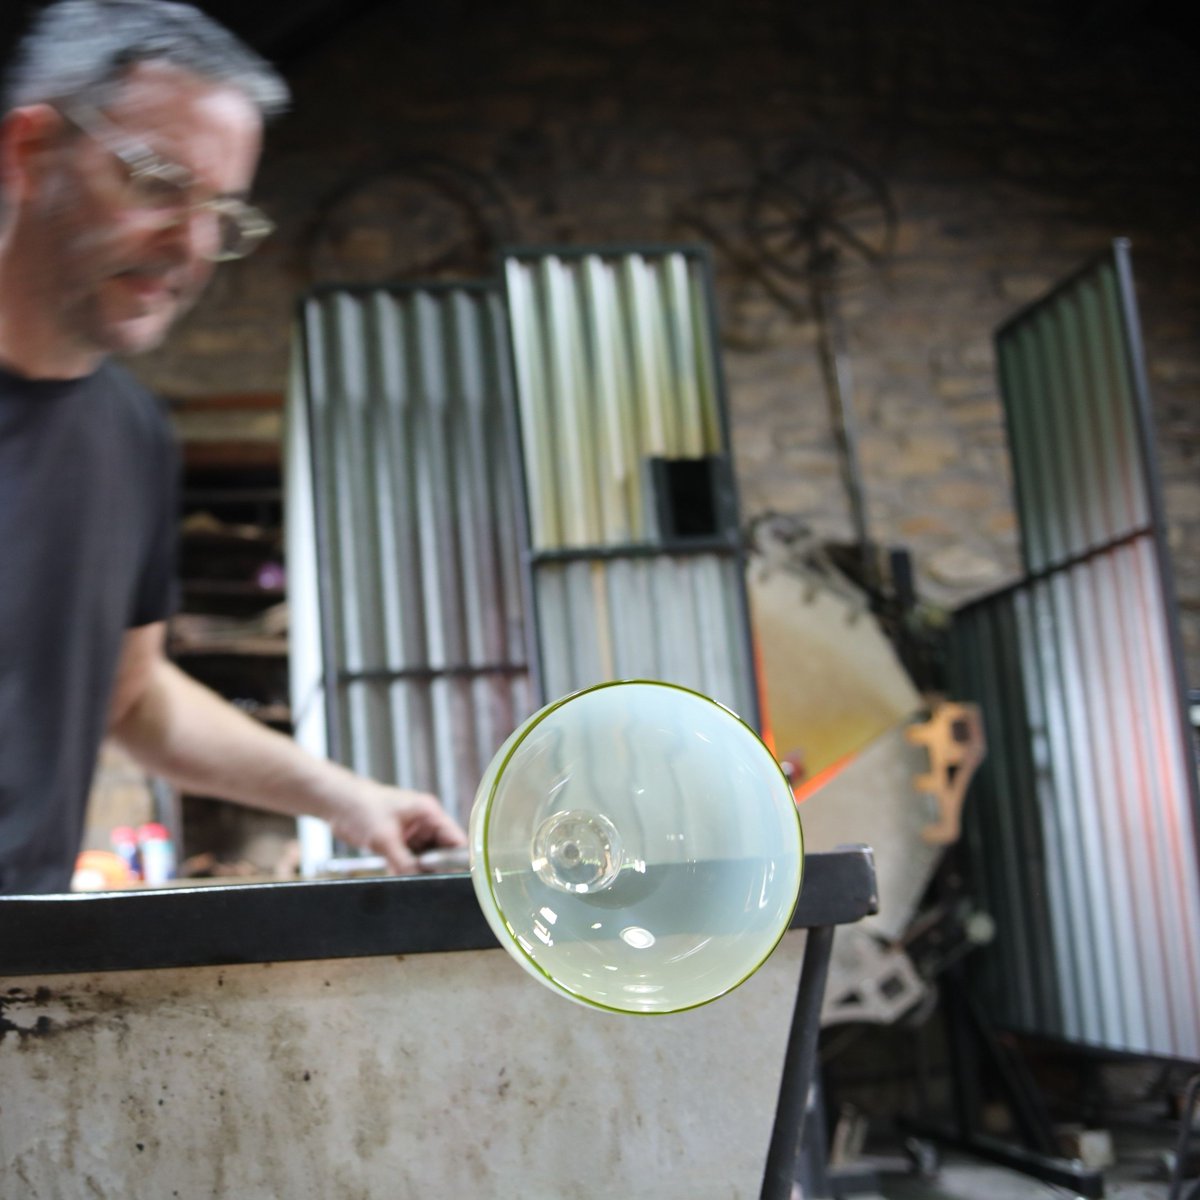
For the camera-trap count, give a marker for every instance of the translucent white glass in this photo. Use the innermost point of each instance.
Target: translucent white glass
(637, 848)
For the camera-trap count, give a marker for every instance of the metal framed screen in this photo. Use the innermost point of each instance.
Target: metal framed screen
(636, 555)
(404, 565)
(1083, 826)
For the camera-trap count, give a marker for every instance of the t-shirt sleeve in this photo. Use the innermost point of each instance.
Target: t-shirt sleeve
(158, 589)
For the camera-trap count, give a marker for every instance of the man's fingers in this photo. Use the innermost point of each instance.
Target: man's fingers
(448, 831)
(431, 825)
(397, 824)
(399, 857)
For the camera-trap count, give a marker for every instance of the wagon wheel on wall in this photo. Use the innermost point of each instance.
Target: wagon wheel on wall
(816, 212)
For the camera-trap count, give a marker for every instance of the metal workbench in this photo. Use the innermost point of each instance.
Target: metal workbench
(223, 925)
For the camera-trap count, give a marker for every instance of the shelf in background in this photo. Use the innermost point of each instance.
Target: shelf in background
(262, 647)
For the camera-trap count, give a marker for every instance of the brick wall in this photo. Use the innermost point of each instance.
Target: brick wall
(1013, 141)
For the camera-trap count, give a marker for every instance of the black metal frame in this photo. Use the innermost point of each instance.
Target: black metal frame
(453, 671)
(219, 924)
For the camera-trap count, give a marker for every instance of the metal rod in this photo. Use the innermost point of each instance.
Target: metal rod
(459, 670)
(1054, 568)
(799, 1065)
(1187, 1117)
(673, 548)
(836, 369)
(1069, 1173)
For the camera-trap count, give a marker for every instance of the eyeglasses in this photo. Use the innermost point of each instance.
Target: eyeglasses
(159, 185)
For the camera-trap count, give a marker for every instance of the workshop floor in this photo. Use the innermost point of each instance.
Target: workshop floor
(1139, 1174)
(962, 1179)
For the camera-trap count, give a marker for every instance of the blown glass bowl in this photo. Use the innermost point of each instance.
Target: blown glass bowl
(636, 847)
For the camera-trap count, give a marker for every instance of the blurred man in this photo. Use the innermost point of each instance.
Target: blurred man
(131, 134)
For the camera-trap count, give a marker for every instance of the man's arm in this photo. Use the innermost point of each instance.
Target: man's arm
(180, 730)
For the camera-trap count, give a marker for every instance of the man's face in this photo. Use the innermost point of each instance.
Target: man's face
(118, 272)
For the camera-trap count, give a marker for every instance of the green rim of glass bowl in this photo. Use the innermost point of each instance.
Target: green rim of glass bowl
(486, 817)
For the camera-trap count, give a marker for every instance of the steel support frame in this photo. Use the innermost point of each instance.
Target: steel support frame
(970, 1038)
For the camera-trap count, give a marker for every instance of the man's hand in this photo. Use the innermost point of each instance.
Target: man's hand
(395, 823)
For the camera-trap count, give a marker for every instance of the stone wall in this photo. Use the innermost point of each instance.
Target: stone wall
(1011, 142)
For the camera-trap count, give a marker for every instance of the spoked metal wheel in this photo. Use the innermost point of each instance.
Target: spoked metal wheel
(816, 210)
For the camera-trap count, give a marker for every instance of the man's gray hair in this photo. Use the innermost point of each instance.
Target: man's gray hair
(79, 50)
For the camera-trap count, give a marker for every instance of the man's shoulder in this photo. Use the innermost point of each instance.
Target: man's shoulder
(140, 405)
(109, 399)
(115, 377)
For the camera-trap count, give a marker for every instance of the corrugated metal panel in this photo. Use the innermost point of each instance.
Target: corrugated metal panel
(406, 474)
(616, 368)
(1083, 826)
(666, 617)
(1069, 394)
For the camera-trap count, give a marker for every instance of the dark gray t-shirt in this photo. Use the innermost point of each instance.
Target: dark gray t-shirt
(88, 483)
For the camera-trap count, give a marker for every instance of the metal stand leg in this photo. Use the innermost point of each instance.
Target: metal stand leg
(811, 1168)
(798, 1067)
(1185, 1137)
